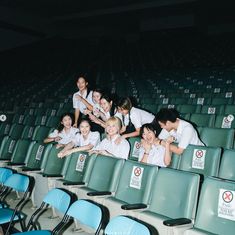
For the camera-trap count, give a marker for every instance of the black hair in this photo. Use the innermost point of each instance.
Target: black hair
(61, 126)
(148, 126)
(86, 80)
(108, 98)
(85, 120)
(165, 115)
(125, 103)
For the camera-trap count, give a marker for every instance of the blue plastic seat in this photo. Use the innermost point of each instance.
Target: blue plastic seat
(127, 226)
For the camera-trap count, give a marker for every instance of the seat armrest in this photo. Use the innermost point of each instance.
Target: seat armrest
(176, 222)
(134, 206)
(99, 193)
(73, 183)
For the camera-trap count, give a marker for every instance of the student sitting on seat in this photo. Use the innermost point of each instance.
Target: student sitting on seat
(151, 151)
(64, 133)
(108, 146)
(83, 141)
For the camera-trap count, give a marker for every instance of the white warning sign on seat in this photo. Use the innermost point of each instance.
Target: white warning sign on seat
(227, 121)
(226, 205)
(200, 101)
(211, 110)
(80, 162)
(136, 177)
(136, 149)
(198, 161)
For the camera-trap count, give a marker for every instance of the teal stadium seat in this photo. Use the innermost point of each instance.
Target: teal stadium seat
(227, 169)
(215, 214)
(203, 120)
(174, 195)
(217, 137)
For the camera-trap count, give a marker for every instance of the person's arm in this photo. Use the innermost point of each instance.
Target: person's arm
(96, 120)
(167, 155)
(76, 116)
(86, 103)
(173, 148)
(66, 148)
(132, 134)
(77, 149)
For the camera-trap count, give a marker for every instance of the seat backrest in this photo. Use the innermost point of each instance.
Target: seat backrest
(125, 225)
(40, 133)
(135, 182)
(7, 147)
(229, 109)
(224, 121)
(18, 182)
(203, 120)
(111, 168)
(27, 132)
(217, 137)
(59, 199)
(215, 212)
(189, 108)
(134, 145)
(87, 213)
(227, 165)
(200, 159)
(51, 164)
(5, 173)
(16, 131)
(212, 109)
(20, 151)
(174, 193)
(77, 164)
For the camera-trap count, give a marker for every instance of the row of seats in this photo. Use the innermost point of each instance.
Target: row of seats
(128, 185)
(89, 213)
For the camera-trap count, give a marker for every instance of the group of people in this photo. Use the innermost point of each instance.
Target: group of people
(97, 114)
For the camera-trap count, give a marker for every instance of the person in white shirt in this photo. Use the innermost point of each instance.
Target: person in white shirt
(137, 118)
(83, 141)
(64, 133)
(82, 93)
(108, 146)
(151, 152)
(180, 131)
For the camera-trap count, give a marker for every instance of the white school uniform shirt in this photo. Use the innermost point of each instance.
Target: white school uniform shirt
(65, 137)
(77, 104)
(156, 155)
(118, 150)
(184, 135)
(139, 117)
(92, 138)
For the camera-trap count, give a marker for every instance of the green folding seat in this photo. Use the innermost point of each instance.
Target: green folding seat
(227, 169)
(203, 120)
(35, 154)
(40, 133)
(175, 159)
(51, 112)
(212, 109)
(229, 109)
(16, 130)
(215, 209)
(27, 132)
(53, 121)
(29, 120)
(29, 111)
(134, 188)
(200, 101)
(150, 107)
(6, 148)
(39, 111)
(221, 101)
(18, 118)
(224, 121)
(77, 164)
(135, 145)
(179, 100)
(104, 177)
(217, 137)
(20, 151)
(189, 108)
(4, 128)
(40, 120)
(174, 197)
(201, 160)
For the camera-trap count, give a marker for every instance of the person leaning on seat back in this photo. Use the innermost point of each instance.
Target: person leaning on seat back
(151, 151)
(180, 131)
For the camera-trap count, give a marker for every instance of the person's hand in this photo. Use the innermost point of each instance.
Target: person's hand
(58, 146)
(147, 146)
(58, 138)
(75, 125)
(123, 129)
(86, 111)
(170, 139)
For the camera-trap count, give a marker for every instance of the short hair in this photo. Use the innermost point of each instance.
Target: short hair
(165, 115)
(85, 120)
(116, 121)
(148, 126)
(61, 126)
(125, 103)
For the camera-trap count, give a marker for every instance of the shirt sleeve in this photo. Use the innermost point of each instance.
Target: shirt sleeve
(186, 137)
(135, 119)
(164, 134)
(75, 101)
(124, 149)
(100, 146)
(54, 134)
(76, 140)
